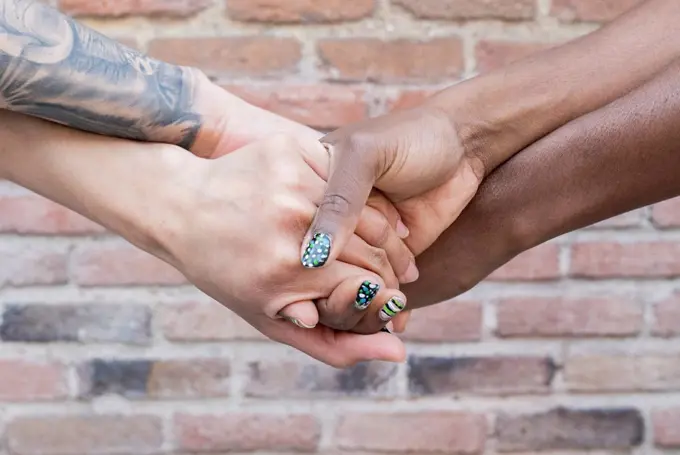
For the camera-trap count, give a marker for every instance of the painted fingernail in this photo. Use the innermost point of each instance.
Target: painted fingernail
(317, 251)
(385, 329)
(366, 293)
(402, 230)
(411, 273)
(393, 307)
(298, 323)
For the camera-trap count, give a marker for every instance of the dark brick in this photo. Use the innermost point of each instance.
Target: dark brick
(76, 323)
(303, 379)
(128, 378)
(567, 429)
(494, 375)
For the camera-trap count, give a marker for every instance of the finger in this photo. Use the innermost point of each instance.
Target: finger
(383, 310)
(346, 304)
(374, 228)
(379, 201)
(303, 314)
(338, 349)
(362, 255)
(351, 177)
(400, 321)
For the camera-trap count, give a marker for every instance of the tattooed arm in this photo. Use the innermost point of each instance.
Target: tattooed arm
(54, 68)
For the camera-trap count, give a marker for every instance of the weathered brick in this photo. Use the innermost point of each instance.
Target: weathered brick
(493, 54)
(667, 214)
(124, 265)
(667, 317)
(369, 59)
(119, 8)
(32, 381)
(457, 320)
(93, 323)
(31, 265)
(322, 106)
(408, 99)
(568, 429)
(32, 214)
(623, 373)
(470, 9)
(435, 432)
(486, 375)
(247, 432)
(540, 263)
(559, 317)
(91, 434)
(194, 321)
(299, 11)
(591, 10)
(233, 56)
(625, 220)
(667, 428)
(617, 260)
(284, 379)
(156, 378)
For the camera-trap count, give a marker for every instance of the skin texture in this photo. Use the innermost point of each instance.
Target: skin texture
(430, 169)
(620, 157)
(155, 195)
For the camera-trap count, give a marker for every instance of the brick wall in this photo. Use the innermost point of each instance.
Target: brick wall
(571, 348)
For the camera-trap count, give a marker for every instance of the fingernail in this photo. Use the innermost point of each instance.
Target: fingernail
(411, 273)
(317, 251)
(402, 230)
(393, 307)
(385, 329)
(366, 293)
(299, 323)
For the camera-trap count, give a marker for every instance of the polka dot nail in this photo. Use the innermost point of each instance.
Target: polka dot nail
(366, 293)
(317, 251)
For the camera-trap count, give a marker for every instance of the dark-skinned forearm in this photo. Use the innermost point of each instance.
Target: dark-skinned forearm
(621, 157)
(508, 109)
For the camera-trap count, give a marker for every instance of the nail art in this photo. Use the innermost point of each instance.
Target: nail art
(385, 329)
(391, 308)
(366, 293)
(317, 251)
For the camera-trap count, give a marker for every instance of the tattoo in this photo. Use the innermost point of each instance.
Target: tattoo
(56, 69)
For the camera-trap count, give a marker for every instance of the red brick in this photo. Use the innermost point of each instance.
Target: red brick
(409, 99)
(484, 375)
(323, 107)
(234, 56)
(299, 11)
(540, 317)
(118, 8)
(102, 265)
(470, 9)
(591, 10)
(615, 260)
(33, 265)
(491, 54)
(626, 220)
(622, 373)
(667, 214)
(449, 321)
(92, 434)
(667, 317)
(189, 378)
(305, 379)
(368, 59)
(32, 214)
(193, 321)
(540, 263)
(247, 432)
(667, 428)
(433, 432)
(29, 381)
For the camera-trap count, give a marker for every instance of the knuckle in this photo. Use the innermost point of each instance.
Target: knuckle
(336, 204)
(383, 232)
(378, 258)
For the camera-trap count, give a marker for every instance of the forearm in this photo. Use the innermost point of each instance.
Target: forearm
(623, 156)
(502, 112)
(120, 184)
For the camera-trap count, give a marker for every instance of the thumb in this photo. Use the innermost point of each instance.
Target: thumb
(351, 177)
(303, 314)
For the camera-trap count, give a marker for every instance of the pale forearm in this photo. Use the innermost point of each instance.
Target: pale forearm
(502, 112)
